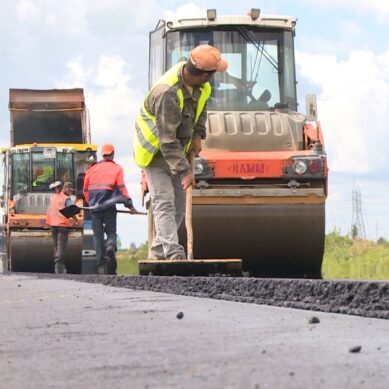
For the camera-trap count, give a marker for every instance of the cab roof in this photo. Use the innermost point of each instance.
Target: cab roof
(270, 21)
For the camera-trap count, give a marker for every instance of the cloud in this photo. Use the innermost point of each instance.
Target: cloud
(112, 72)
(89, 17)
(113, 102)
(378, 7)
(352, 107)
(27, 10)
(77, 75)
(183, 11)
(69, 17)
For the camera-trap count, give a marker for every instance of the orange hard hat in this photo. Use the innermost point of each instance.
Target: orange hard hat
(207, 58)
(107, 149)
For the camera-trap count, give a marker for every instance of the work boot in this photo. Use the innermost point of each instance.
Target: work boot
(111, 264)
(110, 251)
(178, 257)
(102, 268)
(59, 268)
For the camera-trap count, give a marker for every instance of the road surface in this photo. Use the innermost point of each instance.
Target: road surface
(59, 333)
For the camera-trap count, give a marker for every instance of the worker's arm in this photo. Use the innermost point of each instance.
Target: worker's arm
(168, 120)
(68, 202)
(123, 190)
(120, 183)
(199, 132)
(86, 186)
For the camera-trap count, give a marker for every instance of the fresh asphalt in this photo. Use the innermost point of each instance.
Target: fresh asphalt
(59, 333)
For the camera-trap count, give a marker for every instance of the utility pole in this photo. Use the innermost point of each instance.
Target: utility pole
(357, 224)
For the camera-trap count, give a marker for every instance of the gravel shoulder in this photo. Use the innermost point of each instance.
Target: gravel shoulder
(62, 333)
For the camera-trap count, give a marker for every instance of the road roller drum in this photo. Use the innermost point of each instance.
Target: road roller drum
(34, 252)
(272, 240)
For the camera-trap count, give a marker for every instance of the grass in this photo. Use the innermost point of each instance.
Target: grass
(355, 259)
(344, 258)
(127, 259)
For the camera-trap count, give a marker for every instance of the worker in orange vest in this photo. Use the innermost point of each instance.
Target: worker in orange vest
(104, 187)
(59, 224)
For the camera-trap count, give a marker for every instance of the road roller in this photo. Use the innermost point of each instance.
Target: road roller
(261, 177)
(49, 141)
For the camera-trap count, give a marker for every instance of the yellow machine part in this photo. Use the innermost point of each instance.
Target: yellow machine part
(33, 251)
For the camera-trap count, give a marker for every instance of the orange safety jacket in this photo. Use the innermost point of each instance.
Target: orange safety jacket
(103, 181)
(55, 218)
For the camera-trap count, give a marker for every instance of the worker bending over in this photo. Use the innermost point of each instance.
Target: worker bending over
(59, 224)
(104, 187)
(171, 122)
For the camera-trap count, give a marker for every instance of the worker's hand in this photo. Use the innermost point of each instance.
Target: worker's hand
(133, 211)
(187, 180)
(128, 204)
(196, 146)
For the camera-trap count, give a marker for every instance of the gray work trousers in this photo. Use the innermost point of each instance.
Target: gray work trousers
(60, 237)
(104, 221)
(168, 206)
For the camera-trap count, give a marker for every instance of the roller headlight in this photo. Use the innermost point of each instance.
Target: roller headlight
(299, 167)
(202, 170)
(199, 167)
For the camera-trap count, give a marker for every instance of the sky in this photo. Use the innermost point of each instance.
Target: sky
(342, 55)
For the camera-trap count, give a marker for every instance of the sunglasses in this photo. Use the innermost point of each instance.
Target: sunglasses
(196, 72)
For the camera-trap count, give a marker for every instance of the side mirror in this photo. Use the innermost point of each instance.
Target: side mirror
(311, 107)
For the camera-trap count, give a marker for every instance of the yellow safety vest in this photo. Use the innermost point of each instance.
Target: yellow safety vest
(54, 217)
(46, 176)
(146, 143)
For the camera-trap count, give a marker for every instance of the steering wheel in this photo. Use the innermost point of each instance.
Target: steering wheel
(263, 98)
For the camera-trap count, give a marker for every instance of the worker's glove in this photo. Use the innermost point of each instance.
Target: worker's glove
(188, 180)
(128, 204)
(133, 211)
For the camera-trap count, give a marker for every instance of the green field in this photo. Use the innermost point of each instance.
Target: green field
(355, 259)
(343, 258)
(128, 259)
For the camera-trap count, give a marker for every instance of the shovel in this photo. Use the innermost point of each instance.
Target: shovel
(73, 210)
(188, 212)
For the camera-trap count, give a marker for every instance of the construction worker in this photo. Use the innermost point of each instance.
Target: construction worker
(20, 197)
(104, 187)
(171, 122)
(43, 174)
(59, 224)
